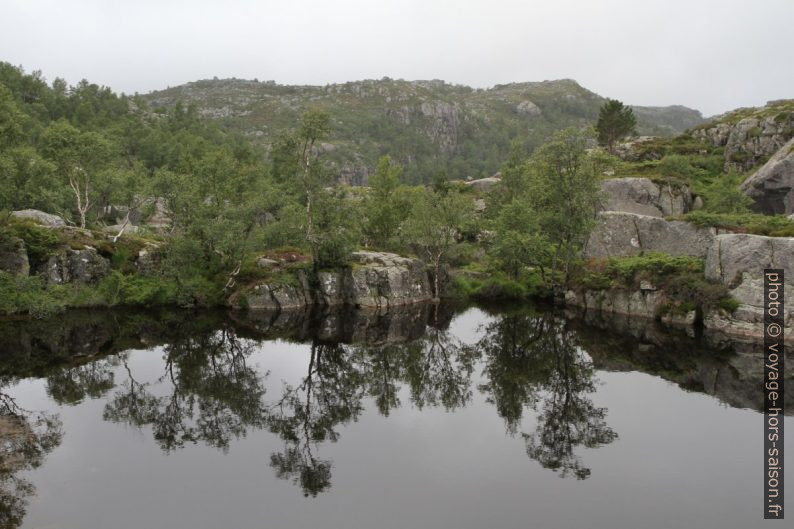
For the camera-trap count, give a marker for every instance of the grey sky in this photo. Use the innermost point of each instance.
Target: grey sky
(713, 55)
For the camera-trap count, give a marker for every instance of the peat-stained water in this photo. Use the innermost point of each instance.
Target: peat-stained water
(422, 418)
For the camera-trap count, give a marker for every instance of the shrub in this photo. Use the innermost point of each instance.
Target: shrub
(30, 295)
(728, 304)
(39, 241)
(680, 277)
(754, 223)
(498, 286)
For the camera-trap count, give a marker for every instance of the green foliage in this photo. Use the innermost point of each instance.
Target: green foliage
(728, 304)
(335, 230)
(495, 286)
(679, 277)
(615, 122)
(385, 206)
(519, 243)
(678, 166)
(28, 295)
(755, 223)
(373, 118)
(564, 192)
(433, 226)
(626, 269)
(724, 196)
(39, 241)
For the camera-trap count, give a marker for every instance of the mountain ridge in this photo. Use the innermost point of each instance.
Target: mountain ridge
(426, 125)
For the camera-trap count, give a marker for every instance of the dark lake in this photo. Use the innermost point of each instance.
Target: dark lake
(429, 417)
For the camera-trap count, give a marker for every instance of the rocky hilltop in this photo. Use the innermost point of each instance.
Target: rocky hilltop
(750, 136)
(427, 126)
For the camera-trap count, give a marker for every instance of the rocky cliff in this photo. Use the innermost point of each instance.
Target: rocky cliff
(620, 234)
(632, 221)
(738, 261)
(644, 302)
(645, 197)
(376, 280)
(772, 186)
(735, 260)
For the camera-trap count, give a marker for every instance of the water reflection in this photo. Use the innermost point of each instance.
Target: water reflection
(26, 438)
(214, 395)
(309, 413)
(535, 361)
(535, 367)
(437, 368)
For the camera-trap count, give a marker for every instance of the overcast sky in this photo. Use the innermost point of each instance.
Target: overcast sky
(713, 55)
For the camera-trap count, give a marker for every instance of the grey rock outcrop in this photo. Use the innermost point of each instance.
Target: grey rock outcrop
(644, 197)
(75, 266)
(376, 280)
(528, 108)
(160, 218)
(45, 219)
(148, 259)
(738, 261)
(280, 296)
(384, 280)
(648, 303)
(750, 140)
(14, 256)
(638, 150)
(772, 186)
(643, 303)
(484, 184)
(115, 229)
(619, 234)
(264, 262)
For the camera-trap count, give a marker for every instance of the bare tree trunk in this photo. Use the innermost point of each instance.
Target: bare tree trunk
(436, 276)
(306, 162)
(123, 227)
(232, 280)
(82, 204)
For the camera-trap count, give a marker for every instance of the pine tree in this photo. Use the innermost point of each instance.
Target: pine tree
(615, 122)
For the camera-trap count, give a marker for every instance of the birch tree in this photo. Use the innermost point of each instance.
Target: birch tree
(77, 157)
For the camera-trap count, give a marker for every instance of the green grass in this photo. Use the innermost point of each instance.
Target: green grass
(497, 286)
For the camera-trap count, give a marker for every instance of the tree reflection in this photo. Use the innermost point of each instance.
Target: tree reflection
(25, 440)
(73, 384)
(307, 414)
(535, 362)
(214, 395)
(436, 368)
(517, 363)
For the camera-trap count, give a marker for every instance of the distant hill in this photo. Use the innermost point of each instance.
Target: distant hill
(428, 126)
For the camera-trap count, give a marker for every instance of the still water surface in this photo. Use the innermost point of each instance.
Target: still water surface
(468, 419)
